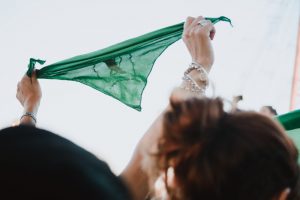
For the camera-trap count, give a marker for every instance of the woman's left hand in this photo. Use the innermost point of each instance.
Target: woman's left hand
(29, 93)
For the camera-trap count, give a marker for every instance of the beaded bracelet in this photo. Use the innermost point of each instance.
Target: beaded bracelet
(192, 86)
(200, 69)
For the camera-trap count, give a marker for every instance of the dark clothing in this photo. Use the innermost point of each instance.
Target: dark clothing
(36, 164)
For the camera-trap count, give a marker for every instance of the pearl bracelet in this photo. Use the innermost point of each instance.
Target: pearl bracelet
(190, 83)
(192, 86)
(200, 69)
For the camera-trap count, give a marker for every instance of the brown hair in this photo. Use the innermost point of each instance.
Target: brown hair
(217, 155)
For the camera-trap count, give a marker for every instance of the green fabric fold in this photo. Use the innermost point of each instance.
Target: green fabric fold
(121, 70)
(31, 65)
(295, 136)
(291, 122)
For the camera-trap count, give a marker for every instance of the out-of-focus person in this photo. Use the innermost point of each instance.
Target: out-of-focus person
(268, 111)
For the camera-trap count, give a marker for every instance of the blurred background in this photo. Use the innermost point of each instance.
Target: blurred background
(257, 58)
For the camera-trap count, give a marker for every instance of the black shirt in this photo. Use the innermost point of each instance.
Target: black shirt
(37, 164)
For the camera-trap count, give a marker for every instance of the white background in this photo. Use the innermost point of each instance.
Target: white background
(255, 58)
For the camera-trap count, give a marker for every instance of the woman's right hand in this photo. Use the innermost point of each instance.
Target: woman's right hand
(197, 39)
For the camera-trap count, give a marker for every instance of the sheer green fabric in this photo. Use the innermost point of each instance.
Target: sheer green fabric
(121, 70)
(290, 120)
(291, 123)
(294, 134)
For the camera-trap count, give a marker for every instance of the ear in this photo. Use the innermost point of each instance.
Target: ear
(284, 194)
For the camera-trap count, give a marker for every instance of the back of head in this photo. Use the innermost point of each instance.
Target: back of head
(36, 164)
(217, 155)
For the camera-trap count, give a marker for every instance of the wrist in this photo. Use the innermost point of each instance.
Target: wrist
(198, 73)
(28, 118)
(31, 106)
(195, 79)
(205, 63)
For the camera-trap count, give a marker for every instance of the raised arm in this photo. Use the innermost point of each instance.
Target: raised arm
(197, 36)
(29, 95)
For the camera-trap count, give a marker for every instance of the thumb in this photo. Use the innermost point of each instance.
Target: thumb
(212, 33)
(210, 29)
(34, 76)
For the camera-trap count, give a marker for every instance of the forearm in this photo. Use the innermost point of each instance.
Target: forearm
(135, 178)
(135, 175)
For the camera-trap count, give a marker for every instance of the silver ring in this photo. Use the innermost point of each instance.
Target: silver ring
(203, 22)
